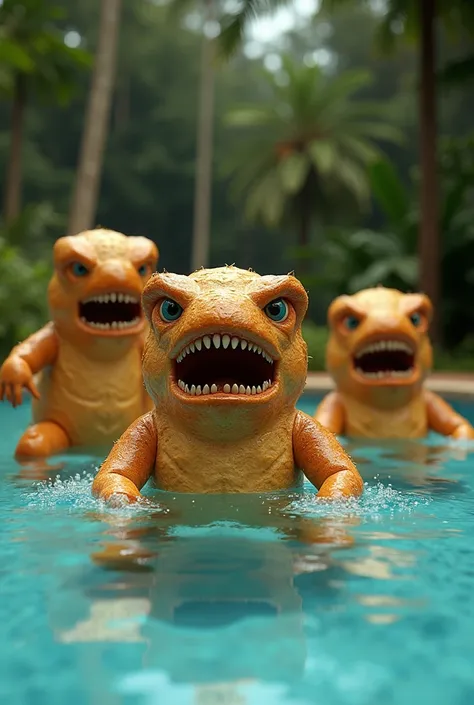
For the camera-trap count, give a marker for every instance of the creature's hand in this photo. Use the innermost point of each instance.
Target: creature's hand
(464, 431)
(15, 375)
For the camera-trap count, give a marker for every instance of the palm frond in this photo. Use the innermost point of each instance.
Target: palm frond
(234, 26)
(293, 172)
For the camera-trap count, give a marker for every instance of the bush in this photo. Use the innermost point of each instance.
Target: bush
(23, 297)
(316, 338)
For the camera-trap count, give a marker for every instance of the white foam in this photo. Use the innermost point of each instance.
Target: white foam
(376, 500)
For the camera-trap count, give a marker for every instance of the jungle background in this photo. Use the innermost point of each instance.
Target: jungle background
(296, 149)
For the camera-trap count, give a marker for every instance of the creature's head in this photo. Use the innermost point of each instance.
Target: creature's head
(379, 349)
(224, 344)
(94, 294)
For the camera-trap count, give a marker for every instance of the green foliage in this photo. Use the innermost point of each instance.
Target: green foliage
(310, 139)
(316, 338)
(23, 300)
(32, 45)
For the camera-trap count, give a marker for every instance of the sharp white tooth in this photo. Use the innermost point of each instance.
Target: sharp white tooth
(226, 388)
(183, 354)
(120, 298)
(207, 341)
(243, 344)
(216, 339)
(259, 350)
(235, 389)
(241, 389)
(114, 325)
(198, 390)
(113, 298)
(205, 389)
(225, 341)
(198, 344)
(193, 389)
(186, 389)
(248, 390)
(106, 298)
(269, 382)
(178, 359)
(259, 390)
(213, 389)
(254, 390)
(192, 348)
(234, 342)
(265, 386)
(180, 384)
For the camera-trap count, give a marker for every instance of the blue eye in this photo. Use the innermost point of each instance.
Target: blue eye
(170, 310)
(277, 310)
(351, 322)
(415, 318)
(79, 269)
(143, 270)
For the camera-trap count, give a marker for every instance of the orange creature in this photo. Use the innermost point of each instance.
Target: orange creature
(225, 363)
(90, 386)
(379, 355)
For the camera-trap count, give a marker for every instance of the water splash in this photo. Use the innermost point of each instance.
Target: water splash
(377, 500)
(74, 493)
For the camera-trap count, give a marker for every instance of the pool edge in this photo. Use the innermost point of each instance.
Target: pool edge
(451, 385)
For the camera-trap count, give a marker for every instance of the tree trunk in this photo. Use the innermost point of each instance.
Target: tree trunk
(429, 280)
(86, 192)
(13, 177)
(203, 182)
(304, 222)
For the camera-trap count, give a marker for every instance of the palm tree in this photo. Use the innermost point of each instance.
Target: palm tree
(94, 138)
(308, 142)
(201, 240)
(204, 153)
(36, 60)
(418, 19)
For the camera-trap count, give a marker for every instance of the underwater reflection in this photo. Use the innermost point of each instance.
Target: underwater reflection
(213, 601)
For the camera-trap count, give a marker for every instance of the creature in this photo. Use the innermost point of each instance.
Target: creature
(89, 387)
(379, 355)
(225, 363)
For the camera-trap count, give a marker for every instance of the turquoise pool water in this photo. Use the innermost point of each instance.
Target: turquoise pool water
(253, 600)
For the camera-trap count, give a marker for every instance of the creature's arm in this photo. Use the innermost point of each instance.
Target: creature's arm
(129, 463)
(330, 413)
(443, 419)
(27, 358)
(325, 463)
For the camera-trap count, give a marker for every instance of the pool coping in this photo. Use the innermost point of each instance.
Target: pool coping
(453, 385)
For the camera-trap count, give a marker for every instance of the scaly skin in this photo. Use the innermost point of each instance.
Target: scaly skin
(391, 405)
(86, 381)
(225, 441)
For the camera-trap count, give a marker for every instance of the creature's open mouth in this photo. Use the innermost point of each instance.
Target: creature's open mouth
(110, 311)
(385, 360)
(225, 364)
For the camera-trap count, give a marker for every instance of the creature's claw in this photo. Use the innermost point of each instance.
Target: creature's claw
(15, 375)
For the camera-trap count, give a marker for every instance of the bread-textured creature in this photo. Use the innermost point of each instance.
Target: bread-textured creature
(90, 386)
(379, 355)
(225, 364)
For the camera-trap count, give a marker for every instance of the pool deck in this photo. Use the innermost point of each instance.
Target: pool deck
(454, 385)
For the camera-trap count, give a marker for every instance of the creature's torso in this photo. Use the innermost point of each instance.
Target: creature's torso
(409, 421)
(93, 401)
(263, 462)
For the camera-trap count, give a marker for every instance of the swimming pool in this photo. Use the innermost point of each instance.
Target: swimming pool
(247, 600)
